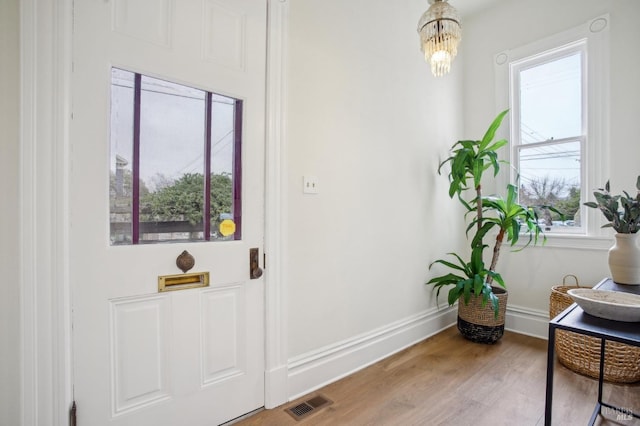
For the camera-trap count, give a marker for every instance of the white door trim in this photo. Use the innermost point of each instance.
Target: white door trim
(45, 329)
(276, 371)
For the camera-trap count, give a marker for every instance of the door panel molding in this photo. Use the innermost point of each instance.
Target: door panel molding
(126, 17)
(221, 348)
(140, 351)
(224, 35)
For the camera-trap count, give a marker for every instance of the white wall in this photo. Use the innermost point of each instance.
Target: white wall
(9, 243)
(367, 118)
(514, 23)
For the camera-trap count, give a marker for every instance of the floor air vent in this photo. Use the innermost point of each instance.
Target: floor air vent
(306, 408)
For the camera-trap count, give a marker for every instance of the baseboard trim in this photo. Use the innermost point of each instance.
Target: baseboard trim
(531, 322)
(276, 385)
(318, 368)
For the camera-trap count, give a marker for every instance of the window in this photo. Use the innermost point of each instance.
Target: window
(556, 90)
(549, 134)
(175, 162)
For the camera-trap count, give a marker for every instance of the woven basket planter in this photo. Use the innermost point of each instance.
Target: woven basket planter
(581, 353)
(478, 323)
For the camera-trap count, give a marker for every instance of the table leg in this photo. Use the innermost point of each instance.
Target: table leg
(598, 410)
(550, 363)
(601, 377)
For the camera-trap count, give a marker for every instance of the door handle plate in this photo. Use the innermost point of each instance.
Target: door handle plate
(254, 263)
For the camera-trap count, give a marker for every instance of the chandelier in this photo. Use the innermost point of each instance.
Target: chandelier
(440, 33)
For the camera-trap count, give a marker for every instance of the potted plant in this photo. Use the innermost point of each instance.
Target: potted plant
(623, 214)
(482, 309)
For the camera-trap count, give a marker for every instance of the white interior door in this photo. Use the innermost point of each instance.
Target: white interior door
(144, 357)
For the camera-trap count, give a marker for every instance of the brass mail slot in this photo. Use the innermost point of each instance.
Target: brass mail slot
(183, 281)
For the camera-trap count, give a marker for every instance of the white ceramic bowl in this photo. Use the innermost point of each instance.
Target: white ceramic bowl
(613, 305)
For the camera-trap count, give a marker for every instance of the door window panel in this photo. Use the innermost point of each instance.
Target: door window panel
(175, 162)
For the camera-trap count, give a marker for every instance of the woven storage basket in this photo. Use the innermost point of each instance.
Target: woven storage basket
(581, 353)
(478, 323)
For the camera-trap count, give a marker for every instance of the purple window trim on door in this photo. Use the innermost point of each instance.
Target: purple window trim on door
(135, 202)
(208, 110)
(237, 169)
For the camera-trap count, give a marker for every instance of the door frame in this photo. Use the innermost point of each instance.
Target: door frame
(45, 293)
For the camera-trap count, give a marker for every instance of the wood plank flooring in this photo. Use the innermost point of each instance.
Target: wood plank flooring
(447, 380)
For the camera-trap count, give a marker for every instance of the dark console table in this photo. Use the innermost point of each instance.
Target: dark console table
(576, 320)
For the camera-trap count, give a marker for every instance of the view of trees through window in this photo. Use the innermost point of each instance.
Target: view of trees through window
(556, 192)
(165, 139)
(550, 136)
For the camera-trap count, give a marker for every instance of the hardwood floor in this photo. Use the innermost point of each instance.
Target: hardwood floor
(447, 380)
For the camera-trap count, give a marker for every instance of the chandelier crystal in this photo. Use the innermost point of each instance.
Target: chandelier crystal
(440, 33)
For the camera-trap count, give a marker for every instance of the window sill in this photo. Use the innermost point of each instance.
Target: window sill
(581, 242)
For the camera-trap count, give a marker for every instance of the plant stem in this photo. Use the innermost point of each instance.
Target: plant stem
(496, 254)
(479, 208)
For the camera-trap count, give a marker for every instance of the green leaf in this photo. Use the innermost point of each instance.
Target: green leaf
(467, 292)
(512, 195)
(498, 279)
(496, 304)
(493, 157)
(454, 294)
(497, 145)
(491, 132)
(448, 279)
(477, 264)
(478, 168)
(478, 283)
(448, 264)
(482, 232)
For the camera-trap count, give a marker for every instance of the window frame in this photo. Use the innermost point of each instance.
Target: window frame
(541, 58)
(594, 35)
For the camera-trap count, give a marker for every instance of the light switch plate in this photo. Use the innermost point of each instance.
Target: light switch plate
(310, 185)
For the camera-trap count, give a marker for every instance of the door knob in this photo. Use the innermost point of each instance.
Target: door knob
(254, 264)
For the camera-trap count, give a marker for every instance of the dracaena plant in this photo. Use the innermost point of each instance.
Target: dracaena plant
(501, 219)
(622, 211)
